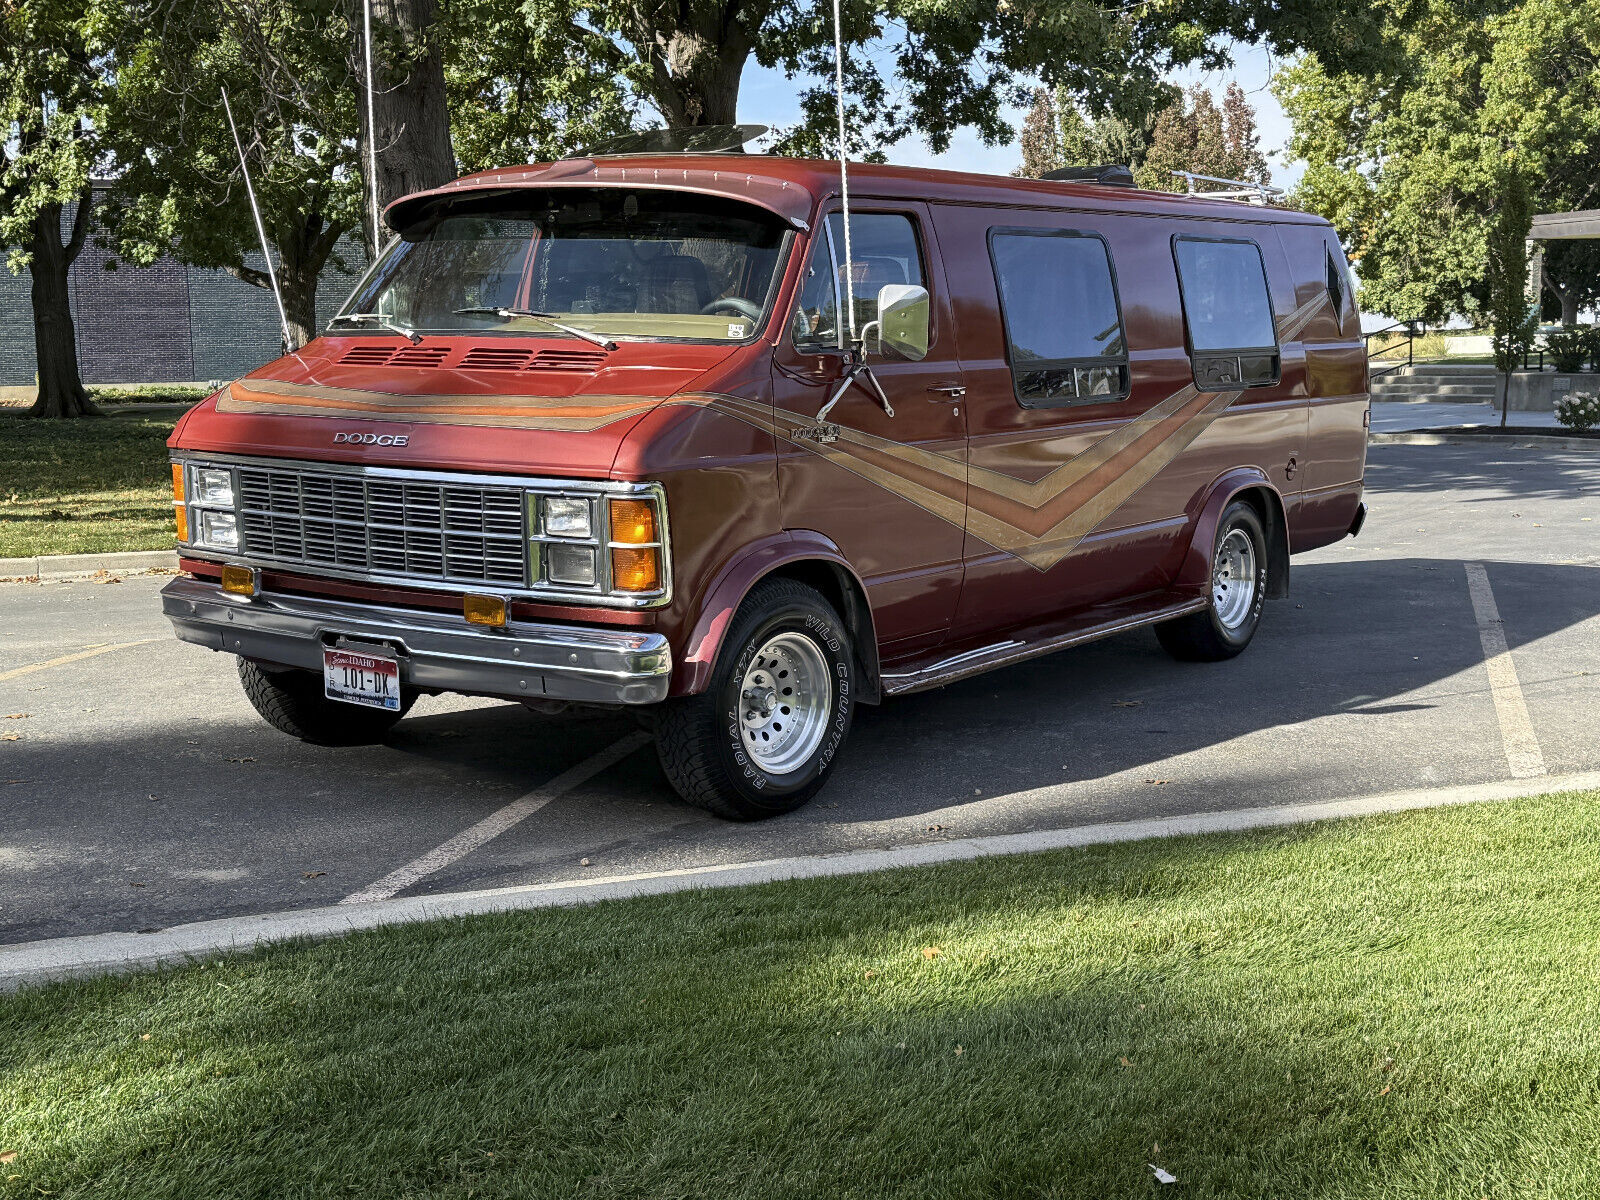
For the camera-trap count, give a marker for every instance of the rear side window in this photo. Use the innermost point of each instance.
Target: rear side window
(1063, 324)
(1232, 340)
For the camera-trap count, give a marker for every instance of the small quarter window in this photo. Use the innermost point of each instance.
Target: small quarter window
(1233, 342)
(1335, 285)
(1063, 325)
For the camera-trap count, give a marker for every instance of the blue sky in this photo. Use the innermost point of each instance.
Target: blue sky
(768, 98)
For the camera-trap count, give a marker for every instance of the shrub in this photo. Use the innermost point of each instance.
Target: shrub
(1568, 348)
(1580, 411)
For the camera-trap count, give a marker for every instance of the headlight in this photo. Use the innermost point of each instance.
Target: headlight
(219, 530)
(611, 543)
(571, 565)
(565, 516)
(213, 487)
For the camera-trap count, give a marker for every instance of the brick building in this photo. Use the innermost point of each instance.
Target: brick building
(164, 323)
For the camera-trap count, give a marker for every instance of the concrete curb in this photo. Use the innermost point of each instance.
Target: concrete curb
(76, 566)
(1528, 441)
(40, 962)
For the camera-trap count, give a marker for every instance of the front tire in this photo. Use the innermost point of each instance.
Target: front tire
(760, 740)
(293, 702)
(1238, 591)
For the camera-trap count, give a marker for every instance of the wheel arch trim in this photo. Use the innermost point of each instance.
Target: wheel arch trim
(1195, 571)
(779, 554)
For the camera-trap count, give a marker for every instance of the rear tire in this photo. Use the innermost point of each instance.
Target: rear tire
(292, 702)
(759, 741)
(1238, 590)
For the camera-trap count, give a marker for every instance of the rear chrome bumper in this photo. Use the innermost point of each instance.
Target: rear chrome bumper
(436, 651)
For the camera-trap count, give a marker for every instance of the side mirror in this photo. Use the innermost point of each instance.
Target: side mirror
(902, 324)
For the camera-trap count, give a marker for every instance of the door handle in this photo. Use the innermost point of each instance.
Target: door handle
(950, 391)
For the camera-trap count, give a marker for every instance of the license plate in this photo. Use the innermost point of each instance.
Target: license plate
(367, 679)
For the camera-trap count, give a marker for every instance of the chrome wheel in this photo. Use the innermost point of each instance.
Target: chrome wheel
(785, 700)
(1233, 579)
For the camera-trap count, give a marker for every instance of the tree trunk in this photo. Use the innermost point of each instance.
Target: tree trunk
(299, 286)
(61, 391)
(408, 100)
(1569, 308)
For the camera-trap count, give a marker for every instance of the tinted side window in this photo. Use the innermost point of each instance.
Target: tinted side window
(1063, 326)
(1232, 339)
(883, 250)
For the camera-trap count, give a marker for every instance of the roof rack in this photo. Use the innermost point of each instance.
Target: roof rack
(1108, 174)
(1230, 189)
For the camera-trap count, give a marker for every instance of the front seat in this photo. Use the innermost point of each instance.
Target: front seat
(675, 283)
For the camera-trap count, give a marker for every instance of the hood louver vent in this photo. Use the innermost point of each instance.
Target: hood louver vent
(419, 356)
(567, 360)
(368, 356)
(477, 358)
(389, 356)
(494, 358)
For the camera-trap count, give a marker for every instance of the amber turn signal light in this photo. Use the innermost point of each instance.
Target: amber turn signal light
(484, 610)
(180, 510)
(635, 569)
(633, 522)
(240, 581)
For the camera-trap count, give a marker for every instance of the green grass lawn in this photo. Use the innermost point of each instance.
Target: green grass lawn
(77, 487)
(1401, 1006)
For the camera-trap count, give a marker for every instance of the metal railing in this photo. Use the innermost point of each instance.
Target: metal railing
(1412, 330)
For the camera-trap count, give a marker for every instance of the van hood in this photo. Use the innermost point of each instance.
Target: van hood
(521, 406)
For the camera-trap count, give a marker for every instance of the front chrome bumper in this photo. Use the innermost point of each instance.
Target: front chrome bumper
(435, 651)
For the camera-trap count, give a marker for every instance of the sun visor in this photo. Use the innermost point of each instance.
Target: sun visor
(787, 200)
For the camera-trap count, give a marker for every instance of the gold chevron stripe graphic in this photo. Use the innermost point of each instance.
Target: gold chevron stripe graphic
(1039, 522)
(1042, 521)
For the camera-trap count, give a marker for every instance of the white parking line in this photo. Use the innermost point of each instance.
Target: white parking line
(497, 822)
(1516, 730)
(17, 672)
(37, 962)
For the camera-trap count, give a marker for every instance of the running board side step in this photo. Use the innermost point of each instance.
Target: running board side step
(1090, 626)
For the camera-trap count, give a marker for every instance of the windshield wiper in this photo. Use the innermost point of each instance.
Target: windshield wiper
(411, 335)
(587, 335)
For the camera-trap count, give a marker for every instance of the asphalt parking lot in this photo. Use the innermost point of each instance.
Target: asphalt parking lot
(138, 789)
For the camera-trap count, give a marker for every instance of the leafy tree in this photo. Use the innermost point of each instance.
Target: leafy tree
(287, 65)
(1571, 279)
(1406, 161)
(933, 66)
(519, 90)
(53, 89)
(1513, 319)
(1041, 137)
(1196, 135)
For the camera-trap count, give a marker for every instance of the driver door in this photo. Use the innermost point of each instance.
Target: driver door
(890, 492)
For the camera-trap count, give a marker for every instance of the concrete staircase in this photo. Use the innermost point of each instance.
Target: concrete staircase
(1446, 383)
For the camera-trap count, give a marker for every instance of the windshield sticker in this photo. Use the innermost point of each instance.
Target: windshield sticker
(736, 329)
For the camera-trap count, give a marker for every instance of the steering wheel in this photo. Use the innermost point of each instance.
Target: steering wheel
(739, 305)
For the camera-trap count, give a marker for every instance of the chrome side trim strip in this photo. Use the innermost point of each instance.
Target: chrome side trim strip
(1005, 654)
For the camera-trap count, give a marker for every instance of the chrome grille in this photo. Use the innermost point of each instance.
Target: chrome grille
(454, 532)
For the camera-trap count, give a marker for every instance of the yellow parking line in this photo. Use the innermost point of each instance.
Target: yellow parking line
(15, 672)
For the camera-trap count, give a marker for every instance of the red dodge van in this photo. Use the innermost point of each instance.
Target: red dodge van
(647, 431)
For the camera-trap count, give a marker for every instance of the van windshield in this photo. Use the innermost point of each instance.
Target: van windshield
(616, 262)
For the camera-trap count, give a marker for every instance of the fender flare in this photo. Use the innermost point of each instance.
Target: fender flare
(742, 572)
(1195, 572)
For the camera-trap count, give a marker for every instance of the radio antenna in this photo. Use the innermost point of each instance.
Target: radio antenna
(261, 230)
(844, 178)
(372, 129)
